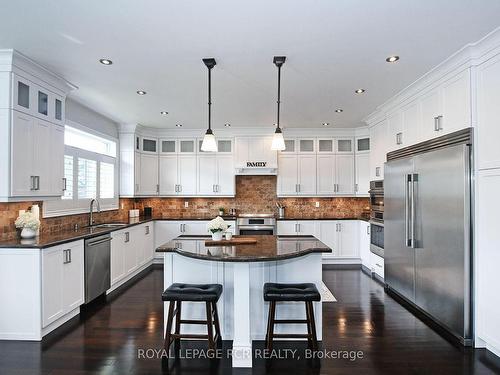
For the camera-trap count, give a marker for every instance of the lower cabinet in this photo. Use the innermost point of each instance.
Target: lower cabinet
(131, 249)
(297, 227)
(63, 287)
(377, 265)
(364, 244)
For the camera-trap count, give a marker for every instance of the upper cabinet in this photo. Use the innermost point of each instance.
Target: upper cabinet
(32, 117)
(253, 155)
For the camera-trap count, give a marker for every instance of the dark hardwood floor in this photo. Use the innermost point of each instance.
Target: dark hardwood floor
(107, 337)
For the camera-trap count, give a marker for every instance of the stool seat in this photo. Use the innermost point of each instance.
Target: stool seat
(192, 292)
(291, 292)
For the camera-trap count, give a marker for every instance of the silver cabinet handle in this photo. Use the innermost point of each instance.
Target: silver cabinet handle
(437, 123)
(340, 227)
(67, 256)
(217, 188)
(37, 181)
(147, 229)
(378, 265)
(399, 138)
(64, 184)
(32, 182)
(157, 188)
(127, 236)
(180, 188)
(298, 228)
(356, 188)
(368, 230)
(377, 171)
(213, 188)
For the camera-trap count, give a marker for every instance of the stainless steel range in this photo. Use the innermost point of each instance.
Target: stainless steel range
(256, 224)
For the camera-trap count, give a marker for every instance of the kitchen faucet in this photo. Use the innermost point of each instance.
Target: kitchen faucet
(91, 212)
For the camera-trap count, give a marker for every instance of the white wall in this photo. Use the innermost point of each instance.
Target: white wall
(85, 116)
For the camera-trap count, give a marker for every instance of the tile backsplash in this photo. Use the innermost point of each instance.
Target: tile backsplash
(254, 194)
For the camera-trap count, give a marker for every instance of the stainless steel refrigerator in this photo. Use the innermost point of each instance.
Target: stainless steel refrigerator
(427, 221)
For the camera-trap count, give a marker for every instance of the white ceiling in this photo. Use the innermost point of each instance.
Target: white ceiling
(332, 48)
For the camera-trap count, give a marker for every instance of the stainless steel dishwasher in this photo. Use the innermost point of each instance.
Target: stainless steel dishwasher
(97, 266)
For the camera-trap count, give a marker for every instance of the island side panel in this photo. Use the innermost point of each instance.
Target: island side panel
(306, 269)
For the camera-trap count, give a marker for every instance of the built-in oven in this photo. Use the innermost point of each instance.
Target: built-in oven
(377, 196)
(256, 224)
(377, 238)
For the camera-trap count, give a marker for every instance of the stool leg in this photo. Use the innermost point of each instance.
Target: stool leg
(177, 341)
(309, 334)
(270, 326)
(216, 322)
(313, 325)
(168, 329)
(211, 344)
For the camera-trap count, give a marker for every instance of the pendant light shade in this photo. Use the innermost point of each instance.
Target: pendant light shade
(278, 143)
(209, 144)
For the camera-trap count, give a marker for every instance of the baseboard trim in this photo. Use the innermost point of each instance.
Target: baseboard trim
(341, 266)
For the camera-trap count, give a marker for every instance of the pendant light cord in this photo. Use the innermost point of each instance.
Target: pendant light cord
(209, 97)
(278, 101)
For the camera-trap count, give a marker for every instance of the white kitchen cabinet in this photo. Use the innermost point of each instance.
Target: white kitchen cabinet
(148, 174)
(207, 176)
(431, 106)
(348, 234)
(286, 227)
(254, 150)
(326, 178)
(37, 157)
(149, 145)
(379, 145)
(194, 228)
(456, 101)
(296, 228)
(168, 175)
(344, 145)
(344, 172)
(118, 249)
(364, 243)
(412, 120)
(147, 243)
(287, 174)
(362, 145)
(129, 242)
(297, 172)
(362, 169)
(394, 132)
(225, 175)
(328, 234)
(62, 280)
(216, 170)
(306, 175)
(377, 265)
(188, 176)
(488, 114)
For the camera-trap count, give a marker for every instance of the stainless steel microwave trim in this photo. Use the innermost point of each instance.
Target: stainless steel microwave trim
(464, 136)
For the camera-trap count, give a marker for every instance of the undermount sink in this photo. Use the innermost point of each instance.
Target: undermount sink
(110, 225)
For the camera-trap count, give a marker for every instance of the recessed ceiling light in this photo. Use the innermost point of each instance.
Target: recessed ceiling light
(164, 113)
(360, 91)
(326, 123)
(392, 59)
(339, 110)
(141, 92)
(227, 125)
(178, 125)
(105, 61)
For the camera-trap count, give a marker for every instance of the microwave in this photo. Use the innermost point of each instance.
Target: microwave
(377, 196)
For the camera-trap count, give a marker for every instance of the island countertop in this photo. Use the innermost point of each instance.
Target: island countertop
(267, 248)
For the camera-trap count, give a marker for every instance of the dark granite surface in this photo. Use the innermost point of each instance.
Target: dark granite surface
(267, 248)
(296, 218)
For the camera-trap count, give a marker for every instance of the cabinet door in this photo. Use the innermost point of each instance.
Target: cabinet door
(117, 257)
(195, 228)
(364, 243)
(307, 174)
(287, 227)
(148, 175)
(22, 176)
(166, 231)
(456, 103)
(23, 94)
(378, 136)
(168, 175)
(362, 174)
(137, 172)
(287, 174)
(488, 113)
(348, 238)
(345, 174)
(431, 109)
(57, 160)
(188, 175)
(58, 109)
(149, 145)
(225, 175)
(395, 131)
(326, 174)
(149, 242)
(412, 120)
(207, 178)
(328, 234)
(42, 163)
(344, 145)
(52, 285)
(129, 253)
(73, 276)
(306, 227)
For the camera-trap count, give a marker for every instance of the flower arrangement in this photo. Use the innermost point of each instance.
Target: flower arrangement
(221, 211)
(29, 223)
(217, 225)
(27, 220)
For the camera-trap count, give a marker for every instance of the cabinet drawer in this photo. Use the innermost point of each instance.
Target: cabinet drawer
(377, 265)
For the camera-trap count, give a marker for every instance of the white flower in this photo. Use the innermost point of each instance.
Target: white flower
(27, 220)
(217, 225)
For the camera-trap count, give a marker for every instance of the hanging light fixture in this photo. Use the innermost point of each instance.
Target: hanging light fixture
(209, 144)
(278, 141)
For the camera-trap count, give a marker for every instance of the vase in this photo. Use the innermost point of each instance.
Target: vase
(217, 236)
(28, 233)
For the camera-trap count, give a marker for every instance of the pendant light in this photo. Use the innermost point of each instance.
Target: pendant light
(209, 144)
(278, 141)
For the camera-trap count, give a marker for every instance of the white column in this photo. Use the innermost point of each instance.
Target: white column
(242, 341)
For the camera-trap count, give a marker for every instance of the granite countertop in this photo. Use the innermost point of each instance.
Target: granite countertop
(267, 248)
(297, 218)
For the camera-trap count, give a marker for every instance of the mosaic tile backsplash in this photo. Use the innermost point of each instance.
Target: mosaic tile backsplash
(254, 194)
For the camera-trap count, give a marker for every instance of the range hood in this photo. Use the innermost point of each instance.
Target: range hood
(255, 157)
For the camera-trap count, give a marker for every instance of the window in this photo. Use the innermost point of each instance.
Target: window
(90, 171)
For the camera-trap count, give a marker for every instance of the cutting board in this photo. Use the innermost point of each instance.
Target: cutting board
(233, 241)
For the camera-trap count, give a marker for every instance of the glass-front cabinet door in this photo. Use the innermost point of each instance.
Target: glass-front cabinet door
(344, 146)
(149, 145)
(22, 94)
(168, 146)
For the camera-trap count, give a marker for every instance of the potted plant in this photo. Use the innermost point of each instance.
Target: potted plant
(29, 224)
(221, 211)
(217, 227)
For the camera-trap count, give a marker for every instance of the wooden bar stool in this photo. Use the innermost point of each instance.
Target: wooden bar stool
(307, 293)
(178, 293)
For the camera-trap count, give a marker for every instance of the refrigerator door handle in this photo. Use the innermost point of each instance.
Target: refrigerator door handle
(414, 179)
(407, 209)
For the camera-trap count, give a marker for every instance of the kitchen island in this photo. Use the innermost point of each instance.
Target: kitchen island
(243, 270)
